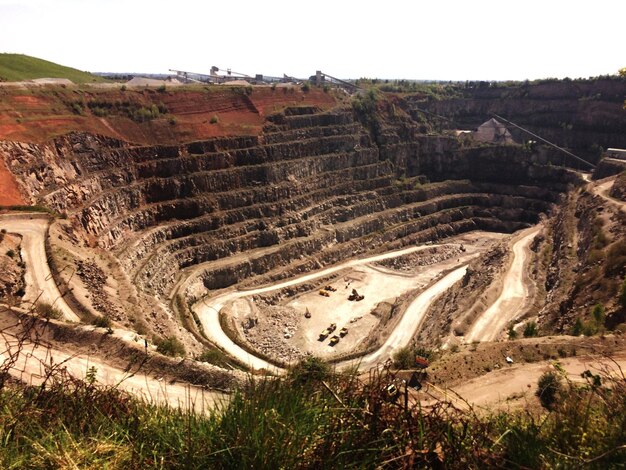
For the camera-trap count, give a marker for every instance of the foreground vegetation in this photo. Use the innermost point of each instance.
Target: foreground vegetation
(310, 419)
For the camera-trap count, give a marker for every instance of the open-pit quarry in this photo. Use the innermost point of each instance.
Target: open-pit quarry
(296, 225)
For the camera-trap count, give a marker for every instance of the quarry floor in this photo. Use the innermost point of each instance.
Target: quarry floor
(377, 285)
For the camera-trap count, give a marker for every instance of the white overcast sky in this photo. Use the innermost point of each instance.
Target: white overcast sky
(435, 39)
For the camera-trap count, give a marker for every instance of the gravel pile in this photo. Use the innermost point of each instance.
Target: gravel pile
(434, 255)
(271, 331)
(94, 279)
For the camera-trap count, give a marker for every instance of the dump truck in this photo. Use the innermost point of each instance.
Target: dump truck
(324, 334)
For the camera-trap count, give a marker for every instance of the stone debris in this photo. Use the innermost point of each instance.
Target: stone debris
(270, 331)
(95, 279)
(11, 267)
(410, 262)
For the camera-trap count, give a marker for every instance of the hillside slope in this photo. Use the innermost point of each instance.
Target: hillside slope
(19, 67)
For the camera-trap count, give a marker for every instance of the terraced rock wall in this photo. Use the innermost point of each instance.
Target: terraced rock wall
(311, 190)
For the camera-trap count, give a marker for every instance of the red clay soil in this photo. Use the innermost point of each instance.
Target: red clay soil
(9, 194)
(38, 114)
(42, 113)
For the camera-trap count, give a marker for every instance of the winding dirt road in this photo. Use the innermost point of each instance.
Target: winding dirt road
(35, 359)
(514, 297)
(208, 311)
(516, 384)
(40, 285)
(602, 188)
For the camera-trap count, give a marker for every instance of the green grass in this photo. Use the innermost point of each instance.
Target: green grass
(308, 419)
(18, 67)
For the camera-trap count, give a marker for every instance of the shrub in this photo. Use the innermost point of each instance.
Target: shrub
(530, 330)
(172, 120)
(616, 258)
(622, 294)
(77, 108)
(214, 119)
(310, 369)
(512, 333)
(162, 88)
(102, 322)
(577, 330)
(598, 314)
(144, 113)
(100, 112)
(404, 358)
(11, 253)
(213, 356)
(46, 310)
(548, 388)
(170, 346)
(306, 87)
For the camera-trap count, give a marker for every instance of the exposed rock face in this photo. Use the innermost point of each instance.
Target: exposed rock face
(313, 189)
(609, 167)
(582, 115)
(11, 267)
(584, 257)
(618, 190)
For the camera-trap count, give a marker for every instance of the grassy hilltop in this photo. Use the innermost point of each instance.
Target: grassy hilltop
(18, 67)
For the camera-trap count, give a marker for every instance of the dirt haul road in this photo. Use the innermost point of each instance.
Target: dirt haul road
(33, 362)
(40, 285)
(602, 187)
(516, 384)
(514, 297)
(208, 311)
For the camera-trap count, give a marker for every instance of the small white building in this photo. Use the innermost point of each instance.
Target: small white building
(620, 154)
(493, 132)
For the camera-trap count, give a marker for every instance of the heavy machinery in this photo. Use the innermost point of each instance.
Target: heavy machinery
(343, 332)
(324, 334)
(355, 296)
(392, 392)
(334, 340)
(421, 362)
